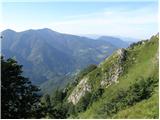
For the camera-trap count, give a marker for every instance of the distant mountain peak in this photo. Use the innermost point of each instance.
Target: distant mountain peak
(48, 29)
(42, 29)
(9, 31)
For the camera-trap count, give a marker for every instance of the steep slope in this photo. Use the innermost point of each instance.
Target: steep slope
(122, 86)
(49, 55)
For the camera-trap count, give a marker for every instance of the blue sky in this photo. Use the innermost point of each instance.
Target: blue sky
(130, 19)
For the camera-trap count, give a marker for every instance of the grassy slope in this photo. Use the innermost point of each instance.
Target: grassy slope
(143, 66)
(142, 110)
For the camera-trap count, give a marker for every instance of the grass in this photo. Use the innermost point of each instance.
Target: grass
(143, 110)
(142, 66)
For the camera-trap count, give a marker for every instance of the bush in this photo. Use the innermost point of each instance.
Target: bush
(83, 102)
(96, 95)
(139, 91)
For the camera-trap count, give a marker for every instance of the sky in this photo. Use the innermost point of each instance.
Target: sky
(137, 19)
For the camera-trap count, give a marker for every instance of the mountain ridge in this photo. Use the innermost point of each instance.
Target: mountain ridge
(46, 54)
(123, 71)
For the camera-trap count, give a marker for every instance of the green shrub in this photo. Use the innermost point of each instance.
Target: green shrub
(139, 91)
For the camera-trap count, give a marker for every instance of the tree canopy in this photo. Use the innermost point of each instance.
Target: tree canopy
(20, 99)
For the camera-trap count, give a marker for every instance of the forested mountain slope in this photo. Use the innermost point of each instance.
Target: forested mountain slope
(49, 55)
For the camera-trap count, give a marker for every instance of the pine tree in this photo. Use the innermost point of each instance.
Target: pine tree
(19, 96)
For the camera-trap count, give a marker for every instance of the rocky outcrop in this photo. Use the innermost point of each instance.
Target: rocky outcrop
(114, 70)
(79, 91)
(110, 75)
(122, 55)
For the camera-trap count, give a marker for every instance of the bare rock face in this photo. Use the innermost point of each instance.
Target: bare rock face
(122, 54)
(79, 91)
(109, 77)
(112, 77)
(115, 70)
